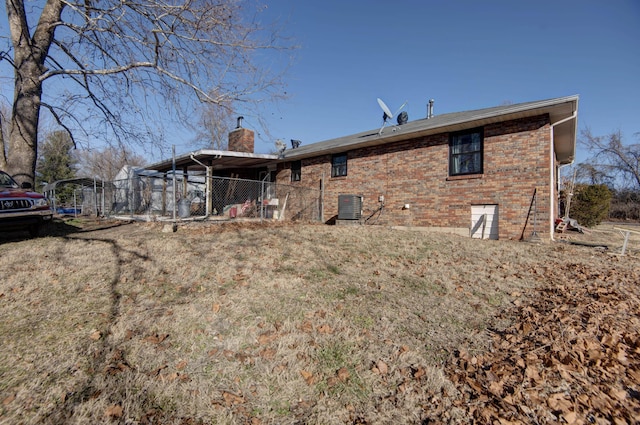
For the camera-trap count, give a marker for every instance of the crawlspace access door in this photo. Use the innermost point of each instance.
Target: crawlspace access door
(484, 221)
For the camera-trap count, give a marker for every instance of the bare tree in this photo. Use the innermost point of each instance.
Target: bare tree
(214, 125)
(588, 173)
(123, 67)
(105, 163)
(612, 160)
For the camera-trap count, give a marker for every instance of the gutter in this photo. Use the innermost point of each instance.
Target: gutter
(552, 168)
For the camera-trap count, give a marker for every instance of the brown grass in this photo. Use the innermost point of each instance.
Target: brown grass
(260, 324)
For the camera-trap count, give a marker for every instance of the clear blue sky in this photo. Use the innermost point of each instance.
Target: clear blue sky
(463, 54)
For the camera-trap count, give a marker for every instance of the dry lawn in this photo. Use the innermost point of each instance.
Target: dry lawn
(311, 324)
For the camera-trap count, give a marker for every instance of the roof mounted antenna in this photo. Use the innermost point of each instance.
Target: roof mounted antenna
(387, 115)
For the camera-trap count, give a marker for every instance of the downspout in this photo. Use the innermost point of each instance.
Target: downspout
(552, 167)
(173, 169)
(207, 186)
(95, 196)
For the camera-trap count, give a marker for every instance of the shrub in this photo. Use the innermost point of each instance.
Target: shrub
(590, 204)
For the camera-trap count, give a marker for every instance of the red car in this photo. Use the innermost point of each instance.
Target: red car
(20, 208)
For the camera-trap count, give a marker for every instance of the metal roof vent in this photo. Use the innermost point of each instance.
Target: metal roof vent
(349, 207)
(430, 109)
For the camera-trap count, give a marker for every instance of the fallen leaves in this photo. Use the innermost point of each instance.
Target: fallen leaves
(156, 338)
(325, 329)
(159, 340)
(7, 400)
(380, 368)
(308, 377)
(267, 338)
(572, 354)
(117, 363)
(343, 374)
(113, 412)
(230, 398)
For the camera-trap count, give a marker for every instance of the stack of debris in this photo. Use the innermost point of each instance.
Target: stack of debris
(567, 223)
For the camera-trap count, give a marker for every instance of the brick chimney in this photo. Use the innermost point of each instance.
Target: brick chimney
(241, 139)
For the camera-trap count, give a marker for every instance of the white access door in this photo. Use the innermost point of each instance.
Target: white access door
(484, 221)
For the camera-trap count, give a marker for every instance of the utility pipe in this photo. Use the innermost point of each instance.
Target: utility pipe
(173, 169)
(95, 196)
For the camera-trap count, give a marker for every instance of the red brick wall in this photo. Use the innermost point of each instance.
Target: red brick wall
(241, 140)
(416, 172)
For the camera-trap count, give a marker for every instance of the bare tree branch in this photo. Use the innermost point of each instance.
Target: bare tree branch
(134, 65)
(612, 157)
(60, 122)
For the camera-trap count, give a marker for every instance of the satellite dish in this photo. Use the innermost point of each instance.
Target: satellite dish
(387, 112)
(387, 115)
(403, 118)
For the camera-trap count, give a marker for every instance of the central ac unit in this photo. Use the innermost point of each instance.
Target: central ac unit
(349, 207)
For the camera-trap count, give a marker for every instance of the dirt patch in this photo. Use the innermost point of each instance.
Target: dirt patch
(291, 324)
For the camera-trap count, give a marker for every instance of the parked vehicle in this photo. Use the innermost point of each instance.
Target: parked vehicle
(21, 208)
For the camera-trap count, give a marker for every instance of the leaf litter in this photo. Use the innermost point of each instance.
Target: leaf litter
(571, 354)
(309, 324)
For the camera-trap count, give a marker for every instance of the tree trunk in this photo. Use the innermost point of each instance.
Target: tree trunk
(3, 144)
(29, 57)
(23, 137)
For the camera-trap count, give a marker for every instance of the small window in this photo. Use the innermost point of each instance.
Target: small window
(339, 165)
(465, 153)
(296, 171)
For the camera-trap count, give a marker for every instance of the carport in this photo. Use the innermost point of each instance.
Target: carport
(211, 163)
(90, 186)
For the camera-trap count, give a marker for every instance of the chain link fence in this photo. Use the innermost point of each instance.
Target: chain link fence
(160, 196)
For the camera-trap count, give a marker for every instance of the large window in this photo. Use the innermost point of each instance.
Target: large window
(339, 165)
(465, 153)
(296, 171)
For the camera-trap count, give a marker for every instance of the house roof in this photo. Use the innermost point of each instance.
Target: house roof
(562, 114)
(219, 159)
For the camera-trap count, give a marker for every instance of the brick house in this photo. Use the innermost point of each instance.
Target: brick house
(490, 173)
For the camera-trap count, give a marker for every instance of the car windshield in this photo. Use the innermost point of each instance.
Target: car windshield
(7, 181)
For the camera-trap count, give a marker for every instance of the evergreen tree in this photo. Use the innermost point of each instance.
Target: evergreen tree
(590, 204)
(56, 162)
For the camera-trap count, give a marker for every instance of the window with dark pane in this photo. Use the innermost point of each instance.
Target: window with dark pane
(465, 153)
(296, 171)
(339, 165)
